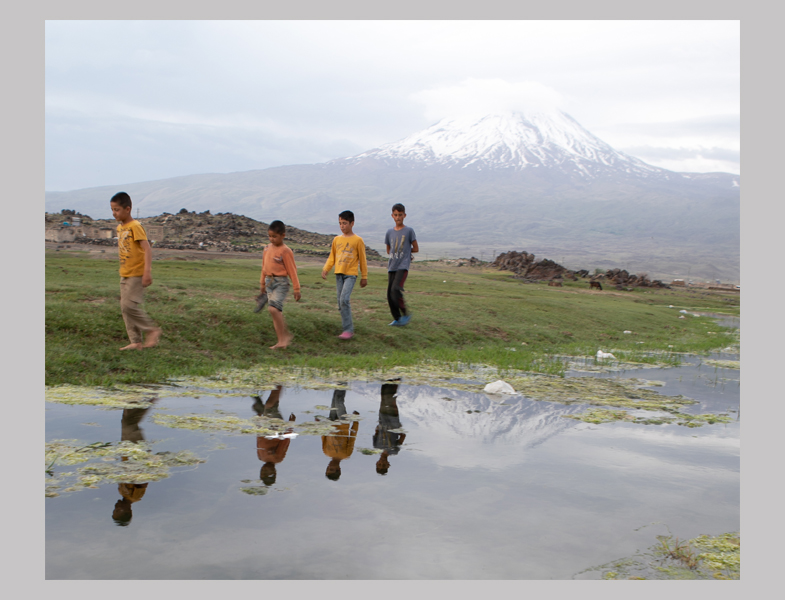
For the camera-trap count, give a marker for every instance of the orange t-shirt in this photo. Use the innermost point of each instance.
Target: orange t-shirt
(341, 443)
(278, 261)
(131, 253)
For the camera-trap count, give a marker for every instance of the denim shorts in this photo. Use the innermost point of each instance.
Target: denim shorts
(277, 288)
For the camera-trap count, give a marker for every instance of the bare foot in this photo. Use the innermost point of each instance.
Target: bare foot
(152, 338)
(136, 346)
(284, 343)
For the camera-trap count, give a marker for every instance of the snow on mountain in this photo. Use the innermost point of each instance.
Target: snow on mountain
(512, 140)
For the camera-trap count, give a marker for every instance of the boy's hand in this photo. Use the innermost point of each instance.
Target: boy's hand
(297, 296)
(324, 274)
(363, 283)
(147, 279)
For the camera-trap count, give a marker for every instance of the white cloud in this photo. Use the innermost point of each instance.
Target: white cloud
(483, 96)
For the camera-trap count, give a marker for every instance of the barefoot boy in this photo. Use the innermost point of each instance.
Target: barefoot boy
(136, 260)
(277, 268)
(348, 249)
(401, 243)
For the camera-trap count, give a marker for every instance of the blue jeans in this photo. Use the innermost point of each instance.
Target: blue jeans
(344, 285)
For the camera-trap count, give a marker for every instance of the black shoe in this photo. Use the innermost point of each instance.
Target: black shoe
(261, 300)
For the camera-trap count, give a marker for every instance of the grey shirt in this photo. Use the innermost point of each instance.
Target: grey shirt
(400, 243)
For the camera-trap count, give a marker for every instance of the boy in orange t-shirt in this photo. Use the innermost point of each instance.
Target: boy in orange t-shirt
(277, 268)
(136, 259)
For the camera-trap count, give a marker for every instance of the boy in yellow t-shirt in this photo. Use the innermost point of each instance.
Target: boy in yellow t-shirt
(346, 252)
(136, 260)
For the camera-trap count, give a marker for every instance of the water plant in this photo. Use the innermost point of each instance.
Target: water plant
(702, 557)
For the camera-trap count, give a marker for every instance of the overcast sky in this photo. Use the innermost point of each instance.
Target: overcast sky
(130, 101)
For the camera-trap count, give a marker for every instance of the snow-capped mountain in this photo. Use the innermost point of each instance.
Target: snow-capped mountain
(537, 182)
(512, 140)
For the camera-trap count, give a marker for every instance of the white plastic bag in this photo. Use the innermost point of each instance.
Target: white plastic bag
(499, 387)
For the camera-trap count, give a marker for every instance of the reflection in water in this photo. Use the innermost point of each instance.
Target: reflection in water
(130, 492)
(271, 450)
(339, 445)
(386, 438)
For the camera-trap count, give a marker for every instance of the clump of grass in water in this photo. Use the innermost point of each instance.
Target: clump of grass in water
(703, 557)
(232, 424)
(599, 415)
(108, 462)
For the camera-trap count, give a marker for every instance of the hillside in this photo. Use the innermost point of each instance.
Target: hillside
(189, 230)
(534, 183)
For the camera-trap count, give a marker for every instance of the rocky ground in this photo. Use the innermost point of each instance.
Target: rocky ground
(205, 232)
(527, 268)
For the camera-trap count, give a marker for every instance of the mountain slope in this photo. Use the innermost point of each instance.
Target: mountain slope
(535, 182)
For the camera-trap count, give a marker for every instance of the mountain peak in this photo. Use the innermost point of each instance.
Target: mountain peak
(511, 140)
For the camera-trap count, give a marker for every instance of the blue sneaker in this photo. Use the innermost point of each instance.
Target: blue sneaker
(394, 323)
(404, 320)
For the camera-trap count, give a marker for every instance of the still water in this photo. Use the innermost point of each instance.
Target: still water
(424, 483)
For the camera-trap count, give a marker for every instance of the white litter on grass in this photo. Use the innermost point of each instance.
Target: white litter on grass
(627, 331)
(601, 354)
(499, 387)
(445, 281)
(682, 317)
(683, 311)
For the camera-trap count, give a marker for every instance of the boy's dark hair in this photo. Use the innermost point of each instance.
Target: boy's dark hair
(122, 199)
(399, 207)
(277, 227)
(347, 215)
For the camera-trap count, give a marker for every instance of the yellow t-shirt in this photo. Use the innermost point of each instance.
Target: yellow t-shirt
(346, 253)
(131, 253)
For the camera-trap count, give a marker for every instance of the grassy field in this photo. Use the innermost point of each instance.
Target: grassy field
(469, 315)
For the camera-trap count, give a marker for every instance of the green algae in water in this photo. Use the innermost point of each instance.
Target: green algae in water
(625, 394)
(255, 490)
(232, 424)
(250, 382)
(369, 451)
(723, 364)
(599, 415)
(704, 557)
(107, 462)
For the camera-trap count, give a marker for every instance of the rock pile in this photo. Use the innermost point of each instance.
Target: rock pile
(222, 232)
(622, 279)
(527, 268)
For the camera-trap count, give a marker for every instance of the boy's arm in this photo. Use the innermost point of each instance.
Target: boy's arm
(147, 277)
(291, 270)
(415, 247)
(262, 285)
(330, 261)
(363, 264)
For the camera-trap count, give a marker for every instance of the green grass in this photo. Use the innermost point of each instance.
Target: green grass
(459, 315)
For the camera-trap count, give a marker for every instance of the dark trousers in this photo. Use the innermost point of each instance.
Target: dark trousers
(395, 281)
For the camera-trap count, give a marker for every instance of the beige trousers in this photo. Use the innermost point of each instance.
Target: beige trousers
(136, 320)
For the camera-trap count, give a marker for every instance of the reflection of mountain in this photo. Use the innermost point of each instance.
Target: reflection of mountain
(498, 435)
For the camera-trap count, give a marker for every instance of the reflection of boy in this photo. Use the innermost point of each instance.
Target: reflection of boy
(340, 444)
(271, 451)
(130, 492)
(383, 438)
